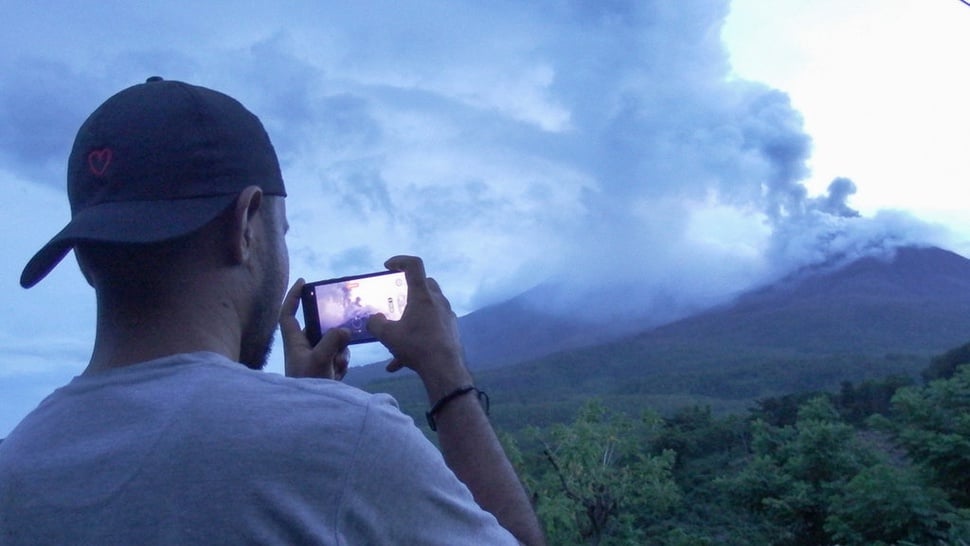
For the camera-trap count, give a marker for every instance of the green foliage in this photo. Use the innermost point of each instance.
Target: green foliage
(781, 411)
(796, 469)
(885, 505)
(694, 432)
(933, 424)
(695, 479)
(598, 484)
(945, 365)
(879, 462)
(857, 403)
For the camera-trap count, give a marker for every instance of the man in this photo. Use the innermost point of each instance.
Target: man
(178, 222)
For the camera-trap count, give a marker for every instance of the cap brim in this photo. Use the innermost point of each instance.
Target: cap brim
(125, 222)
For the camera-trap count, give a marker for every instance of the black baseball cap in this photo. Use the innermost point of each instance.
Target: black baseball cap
(157, 161)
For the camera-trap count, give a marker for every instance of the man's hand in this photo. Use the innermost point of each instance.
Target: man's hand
(426, 338)
(329, 359)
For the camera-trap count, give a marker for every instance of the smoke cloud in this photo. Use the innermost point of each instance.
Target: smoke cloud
(580, 144)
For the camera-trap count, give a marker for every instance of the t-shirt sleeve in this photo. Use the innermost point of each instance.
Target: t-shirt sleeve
(400, 491)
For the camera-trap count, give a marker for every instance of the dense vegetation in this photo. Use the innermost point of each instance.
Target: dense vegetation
(873, 462)
(552, 390)
(884, 462)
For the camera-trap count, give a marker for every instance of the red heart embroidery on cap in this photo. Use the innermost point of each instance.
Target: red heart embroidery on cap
(98, 161)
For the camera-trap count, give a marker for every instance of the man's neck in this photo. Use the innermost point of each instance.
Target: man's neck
(126, 336)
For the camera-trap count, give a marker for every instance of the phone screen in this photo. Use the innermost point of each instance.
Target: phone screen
(348, 302)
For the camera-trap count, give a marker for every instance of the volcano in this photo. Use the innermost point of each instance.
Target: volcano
(869, 318)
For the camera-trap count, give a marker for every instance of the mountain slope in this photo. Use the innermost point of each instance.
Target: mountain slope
(917, 301)
(518, 330)
(871, 318)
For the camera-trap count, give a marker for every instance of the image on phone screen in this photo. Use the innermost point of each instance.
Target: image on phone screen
(348, 302)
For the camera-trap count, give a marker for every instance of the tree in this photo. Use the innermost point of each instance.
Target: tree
(599, 484)
(885, 505)
(795, 471)
(857, 403)
(933, 424)
(945, 365)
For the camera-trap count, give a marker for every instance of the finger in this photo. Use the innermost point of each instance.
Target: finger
(292, 299)
(377, 325)
(435, 289)
(394, 365)
(341, 363)
(332, 343)
(288, 323)
(413, 268)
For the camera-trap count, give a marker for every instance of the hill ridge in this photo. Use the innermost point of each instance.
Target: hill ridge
(870, 318)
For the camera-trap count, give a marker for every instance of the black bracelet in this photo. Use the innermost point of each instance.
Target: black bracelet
(482, 399)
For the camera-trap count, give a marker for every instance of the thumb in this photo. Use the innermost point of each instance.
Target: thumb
(394, 365)
(332, 343)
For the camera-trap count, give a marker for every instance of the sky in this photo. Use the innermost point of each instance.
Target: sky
(685, 150)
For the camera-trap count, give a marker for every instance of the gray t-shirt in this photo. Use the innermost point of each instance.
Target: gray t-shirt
(197, 449)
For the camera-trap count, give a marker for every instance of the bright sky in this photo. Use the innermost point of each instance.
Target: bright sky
(510, 142)
(881, 86)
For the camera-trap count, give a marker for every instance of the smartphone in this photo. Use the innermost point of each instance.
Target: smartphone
(348, 302)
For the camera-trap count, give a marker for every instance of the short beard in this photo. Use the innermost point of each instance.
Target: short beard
(255, 350)
(259, 335)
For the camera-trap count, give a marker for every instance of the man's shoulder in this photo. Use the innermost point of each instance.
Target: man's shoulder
(209, 400)
(207, 387)
(233, 380)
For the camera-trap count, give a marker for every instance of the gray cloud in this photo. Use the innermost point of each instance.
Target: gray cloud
(507, 143)
(835, 202)
(41, 110)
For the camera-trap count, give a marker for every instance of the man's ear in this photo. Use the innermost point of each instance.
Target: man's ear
(248, 202)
